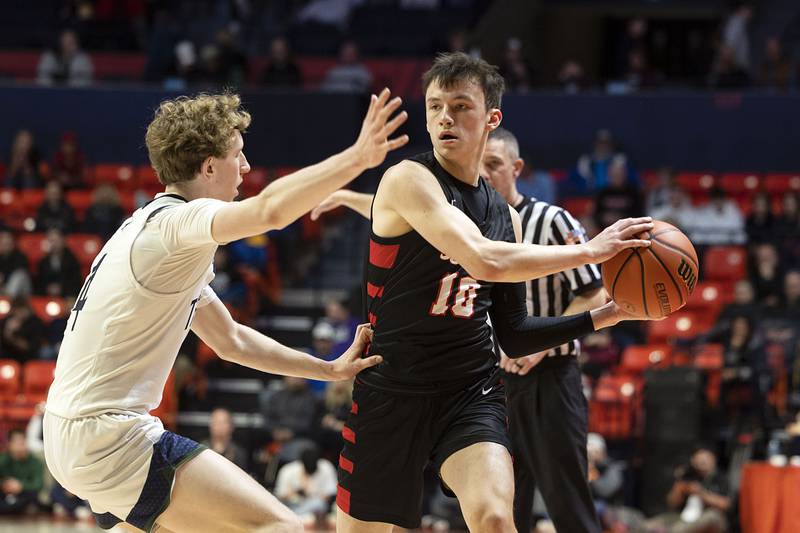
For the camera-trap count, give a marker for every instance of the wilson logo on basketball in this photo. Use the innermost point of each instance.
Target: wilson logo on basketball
(687, 274)
(663, 298)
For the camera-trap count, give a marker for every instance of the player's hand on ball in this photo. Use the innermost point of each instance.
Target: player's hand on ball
(617, 237)
(350, 362)
(328, 204)
(373, 142)
(623, 314)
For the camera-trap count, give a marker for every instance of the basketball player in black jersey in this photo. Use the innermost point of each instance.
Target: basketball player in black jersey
(443, 258)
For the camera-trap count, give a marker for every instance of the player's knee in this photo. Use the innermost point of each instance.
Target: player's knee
(494, 518)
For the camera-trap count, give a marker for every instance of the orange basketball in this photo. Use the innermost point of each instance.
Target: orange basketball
(654, 281)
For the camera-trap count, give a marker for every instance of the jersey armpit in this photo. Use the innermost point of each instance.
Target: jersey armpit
(188, 225)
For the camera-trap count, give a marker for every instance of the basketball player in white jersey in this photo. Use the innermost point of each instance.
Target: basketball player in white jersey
(147, 288)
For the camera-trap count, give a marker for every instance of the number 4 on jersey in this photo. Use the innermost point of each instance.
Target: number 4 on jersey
(464, 300)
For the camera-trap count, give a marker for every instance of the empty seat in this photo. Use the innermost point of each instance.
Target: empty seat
(737, 183)
(85, 247)
(121, 175)
(695, 182)
(34, 246)
(680, 325)
(79, 200)
(725, 263)
(638, 358)
(37, 376)
(10, 379)
(578, 207)
(709, 297)
(48, 308)
(613, 407)
(782, 183)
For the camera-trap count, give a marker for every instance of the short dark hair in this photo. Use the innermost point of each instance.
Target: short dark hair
(454, 67)
(507, 138)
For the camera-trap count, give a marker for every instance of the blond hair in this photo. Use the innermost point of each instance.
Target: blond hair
(185, 131)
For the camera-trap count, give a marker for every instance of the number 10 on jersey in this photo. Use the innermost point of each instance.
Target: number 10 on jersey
(464, 300)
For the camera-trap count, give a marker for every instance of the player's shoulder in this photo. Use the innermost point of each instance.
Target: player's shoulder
(407, 178)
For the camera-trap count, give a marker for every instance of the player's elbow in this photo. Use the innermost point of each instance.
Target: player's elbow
(232, 349)
(486, 265)
(272, 217)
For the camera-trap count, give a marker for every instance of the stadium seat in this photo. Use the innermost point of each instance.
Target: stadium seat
(5, 306)
(34, 246)
(79, 200)
(578, 207)
(36, 379)
(680, 325)
(10, 379)
(48, 308)
(31, 200)
(710, 359)
(695, 182)
(254, 181)
(120, 175)
(709, 297)
(85, 247)
(738, 183)
(613, 407)
(782, 183)
(146, 177)
(638, 358)
(725, 263)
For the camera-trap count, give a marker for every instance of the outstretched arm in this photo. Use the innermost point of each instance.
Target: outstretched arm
(285, 200)
(410, 192)
(357, 201)
(243, 345)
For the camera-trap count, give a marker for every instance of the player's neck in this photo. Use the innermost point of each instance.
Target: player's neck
(465, 171)
(189, 190)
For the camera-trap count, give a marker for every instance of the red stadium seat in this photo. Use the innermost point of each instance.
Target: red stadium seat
(782, 183)
(48, 308)
(80, 201)
(10, 379)
(680, 325)
(695, 182)
(120, 175)
(146, 177)
(737, 183)
(254, 181)
(578, 207)
(725, 263)
(12, 209)
(36, 379)
(128, 201)
(637, 359)
(710, 359)
(34, 246)
(709, 297)
(31, 199)
(613, 407)
(85, 247)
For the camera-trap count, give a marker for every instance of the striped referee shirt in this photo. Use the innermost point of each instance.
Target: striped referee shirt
(543, 223)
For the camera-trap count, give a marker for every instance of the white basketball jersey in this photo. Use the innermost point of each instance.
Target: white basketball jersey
(135, 309)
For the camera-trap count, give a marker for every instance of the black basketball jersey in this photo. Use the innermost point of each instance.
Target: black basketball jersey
(429, 315)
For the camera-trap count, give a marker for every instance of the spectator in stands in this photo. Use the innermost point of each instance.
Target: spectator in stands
(54, 331)
(328, 12)
(787, 226)
(323, 340)
(22, 332)
(634, 38)
(514, 68)
(55, 212)
(307, 486)
(572, 77)
(349, 75)
(744, 303)
(766, 274)
(15, 279)
(343, 323)
(619, 199)
(678, 210)
(227, 282)
(660, 194)
(599, 353)
(606, 481)
(59, 272)
(736, 38)
(105, 214)
(718, 222)
(639, 74)
(726, 74)
(229, 64)
(68, 164)
(790, 301)
(21, 474)
(337, 404)
(698, 498)
(23, 163)
(760, 225)
(775, 73)
(282, 71)
(591, 173)
(69, 64)
(185, 69)
(290, 410)
(220, 438)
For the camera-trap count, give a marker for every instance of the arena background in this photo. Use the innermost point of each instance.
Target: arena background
(699, 96)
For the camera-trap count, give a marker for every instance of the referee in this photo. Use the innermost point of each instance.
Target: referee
(546, 407)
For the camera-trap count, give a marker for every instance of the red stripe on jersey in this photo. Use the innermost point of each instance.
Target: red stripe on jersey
(374, 291)
(354, 408)
(343, 499)
(345, 464)
(383, 255)
(348, 434)
(372, 319)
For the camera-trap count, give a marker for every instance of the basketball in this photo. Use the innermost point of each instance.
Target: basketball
(654, 281)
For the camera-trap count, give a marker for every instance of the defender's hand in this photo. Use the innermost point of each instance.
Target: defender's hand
(373, 142)
(329, 204)
(350, 362)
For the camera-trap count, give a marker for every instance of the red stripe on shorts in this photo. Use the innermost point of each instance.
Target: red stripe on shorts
(374, 291)
(345, 464)
(383, 255)
(348, 434)
(372, 319)
(343, 499)
(354, 408)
